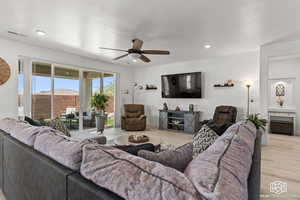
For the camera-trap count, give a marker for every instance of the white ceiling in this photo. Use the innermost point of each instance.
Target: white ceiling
(183, 27)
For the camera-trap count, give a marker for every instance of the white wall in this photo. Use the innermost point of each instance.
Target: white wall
(239, 68)
(281, 60)
(10, 50)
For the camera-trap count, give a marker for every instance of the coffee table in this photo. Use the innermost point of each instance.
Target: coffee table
(123, 140)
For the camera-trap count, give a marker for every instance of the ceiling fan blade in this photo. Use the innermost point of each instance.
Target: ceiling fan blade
(137, 44)
(113, 49)
(158, 52)
(117, 58)
(145, 59)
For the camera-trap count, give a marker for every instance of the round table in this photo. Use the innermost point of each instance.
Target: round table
(123, 140)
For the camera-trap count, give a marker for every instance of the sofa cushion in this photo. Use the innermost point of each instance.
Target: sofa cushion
(225, 165)
(203, 139)
(63, 149)
(21, 130)
(132, 121)
(133, 177)
(26, 133)
(7, 124)
(177, 159)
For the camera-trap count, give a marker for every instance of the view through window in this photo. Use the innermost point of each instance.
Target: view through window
(65, 92)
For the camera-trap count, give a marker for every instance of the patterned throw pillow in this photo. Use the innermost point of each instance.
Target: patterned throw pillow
(203, 139)
(57, 124)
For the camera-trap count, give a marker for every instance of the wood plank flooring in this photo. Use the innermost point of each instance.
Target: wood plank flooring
(280, 161)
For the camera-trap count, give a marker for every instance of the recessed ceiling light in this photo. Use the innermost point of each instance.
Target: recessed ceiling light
(40, 32)
(134, 60)
(207, 46)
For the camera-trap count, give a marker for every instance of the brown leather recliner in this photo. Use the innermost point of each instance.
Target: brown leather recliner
(134, 118)
(224, 117)
(225, 114)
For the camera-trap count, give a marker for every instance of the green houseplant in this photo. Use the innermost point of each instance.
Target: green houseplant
(99, 101)
(257, 121)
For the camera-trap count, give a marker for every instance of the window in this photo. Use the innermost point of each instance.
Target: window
(21, 111)
(64, 92)
(41, 91)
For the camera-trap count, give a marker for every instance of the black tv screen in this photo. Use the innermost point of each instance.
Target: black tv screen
(186, 85)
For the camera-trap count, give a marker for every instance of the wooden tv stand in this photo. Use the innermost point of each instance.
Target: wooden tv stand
(186, 121)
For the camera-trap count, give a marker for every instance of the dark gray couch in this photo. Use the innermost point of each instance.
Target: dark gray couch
(29, 175)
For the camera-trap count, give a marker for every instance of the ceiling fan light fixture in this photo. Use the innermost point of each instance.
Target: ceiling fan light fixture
(135, 55)
(40, 32)
(207, 46)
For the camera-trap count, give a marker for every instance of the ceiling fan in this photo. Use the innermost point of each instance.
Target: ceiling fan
(136, 51)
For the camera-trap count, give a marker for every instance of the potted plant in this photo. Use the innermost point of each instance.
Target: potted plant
(260, 124)
(99, 101)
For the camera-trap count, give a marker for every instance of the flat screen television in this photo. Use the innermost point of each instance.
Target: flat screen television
(186, 85)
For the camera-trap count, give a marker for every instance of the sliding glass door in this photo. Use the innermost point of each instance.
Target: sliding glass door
(109, 89)
(41, 91)
(66, 103)
(64, 92)
(91, 83)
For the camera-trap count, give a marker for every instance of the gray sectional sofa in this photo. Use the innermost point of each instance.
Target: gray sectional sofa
(27, 174)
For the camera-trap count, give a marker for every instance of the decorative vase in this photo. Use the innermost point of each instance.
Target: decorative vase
(165, 106)
(280, 102)
(100, 121)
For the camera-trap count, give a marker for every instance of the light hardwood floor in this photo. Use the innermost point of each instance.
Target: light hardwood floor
(280, 160)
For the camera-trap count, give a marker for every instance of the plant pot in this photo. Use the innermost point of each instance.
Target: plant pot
(100, 122)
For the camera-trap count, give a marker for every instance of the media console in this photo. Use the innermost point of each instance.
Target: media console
(187, 121)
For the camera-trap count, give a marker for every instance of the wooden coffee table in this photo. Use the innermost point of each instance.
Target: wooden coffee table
(123, 140)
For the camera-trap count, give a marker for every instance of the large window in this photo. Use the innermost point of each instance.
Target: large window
(65, 92)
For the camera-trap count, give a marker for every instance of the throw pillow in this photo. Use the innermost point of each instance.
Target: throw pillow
(134, 149)
(32, 121)
(203, 139)
(177, 159)
(57, 124)
(132, 177)
(26, 133)
(8, 124)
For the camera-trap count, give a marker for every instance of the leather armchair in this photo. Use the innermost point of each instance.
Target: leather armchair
(134, 118)
(224, 117)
